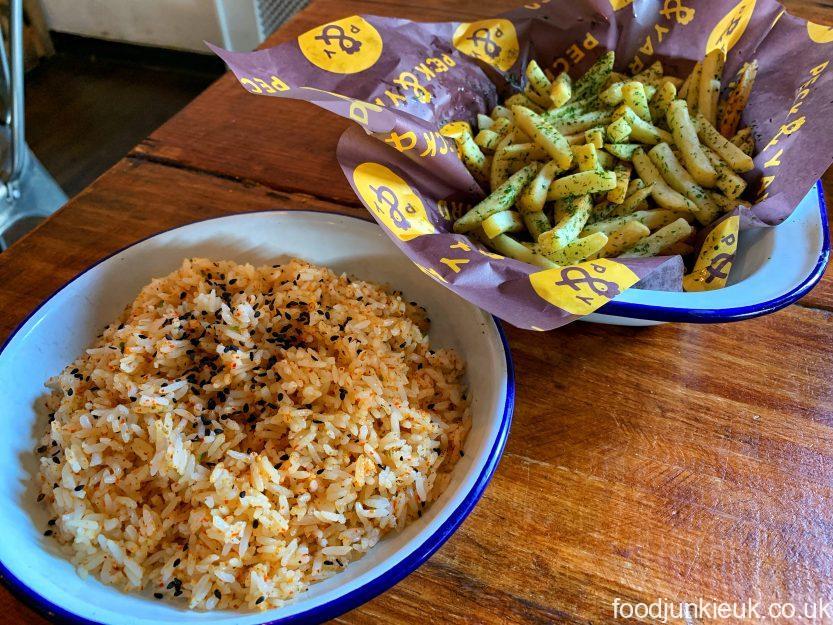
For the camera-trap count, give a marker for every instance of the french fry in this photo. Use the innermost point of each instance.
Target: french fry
(612, 95)
(651, 219)
(504, 221)
(565, 206)
(561, 90)
(594, 77)
(570, 110)
(487, 139)
(728, 204)
(580, 123)
(710, 81)
(501, 111)
(544, 135)
(533, 197)
(595, 136)
(745, 141)
(692, 93)
(455, 130)
(623, 176)
(623, 238)
(685, 136)
(606, 161)
(642, 131)
(663, 194)
(602, 210)
(578, 250)
(633, 94)
(681, 181)
(473, 157)
(509, 247)
(586, 157)
(736, 102)
(662, 238)
(659, 104)
(577, 139)
(484, 122)
(500, 199)
(539, 85)
(635, 185)
(502, 126)
(519, 99)
(638, 200)
(619, 130)
(501, 162)
(582, 183)
(542, 101)
(727, 150)
(728, 182)
(536, 223)
(622, 151)
(567, 229)
(650, 74)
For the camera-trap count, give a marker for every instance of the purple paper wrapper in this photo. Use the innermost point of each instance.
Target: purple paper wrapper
(400, 81)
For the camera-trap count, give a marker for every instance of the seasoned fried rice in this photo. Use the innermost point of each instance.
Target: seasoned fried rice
(240, 433)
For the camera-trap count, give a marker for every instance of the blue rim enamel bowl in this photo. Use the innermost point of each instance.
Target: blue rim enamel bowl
(774, 267)
(32, 566)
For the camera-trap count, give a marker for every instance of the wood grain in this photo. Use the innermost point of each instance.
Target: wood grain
(677, 461)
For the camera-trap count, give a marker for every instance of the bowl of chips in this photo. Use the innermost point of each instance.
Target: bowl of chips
(626, 162)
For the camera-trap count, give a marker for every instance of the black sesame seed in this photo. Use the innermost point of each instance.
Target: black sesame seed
(462, 453)
(260, 599)
(51, 522)
(48, 533)
(56, 460)
(218, 594)
(157, 595)
(285, 457)
(177, 562)
(218, 430)
(255, 524)
(70, 392)
(242, 494)
(342, 393)
(328, 562)
(41, 449)
(79, 488)
(41, 496)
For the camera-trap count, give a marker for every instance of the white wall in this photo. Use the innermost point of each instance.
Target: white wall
(180, 24)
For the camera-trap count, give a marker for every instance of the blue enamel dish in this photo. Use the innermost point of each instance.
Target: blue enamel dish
(774, 267)
(66, 323)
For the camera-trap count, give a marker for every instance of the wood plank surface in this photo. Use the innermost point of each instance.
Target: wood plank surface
(679, 461)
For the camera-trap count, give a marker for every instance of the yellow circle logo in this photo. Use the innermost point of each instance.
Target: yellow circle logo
(347, 46)
(581, 289)
(492, 41)
(731, 28)
(820, 33)
(392, 201)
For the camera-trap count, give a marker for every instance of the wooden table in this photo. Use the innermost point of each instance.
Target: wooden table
(680, 461)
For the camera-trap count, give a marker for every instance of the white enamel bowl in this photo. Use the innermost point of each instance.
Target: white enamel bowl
(774, 267)
(68, 322)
